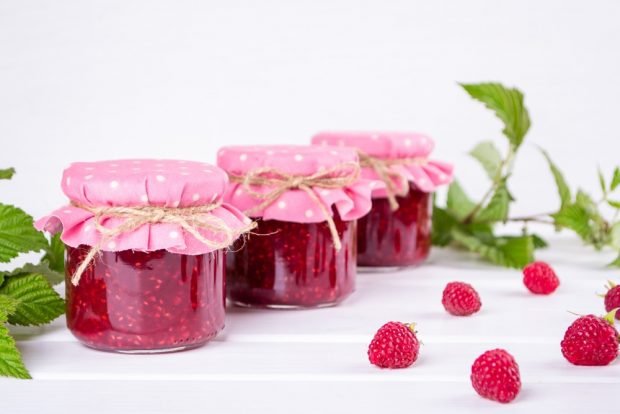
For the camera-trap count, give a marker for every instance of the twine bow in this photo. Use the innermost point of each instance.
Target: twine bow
(396, 184)
(190, 219)
(339, 176)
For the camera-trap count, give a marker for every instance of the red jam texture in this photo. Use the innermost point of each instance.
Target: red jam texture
(396, 238)
(146, 301)
(293, 265)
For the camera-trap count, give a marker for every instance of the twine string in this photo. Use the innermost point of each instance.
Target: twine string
(279, 183)
(190, 219)
(396, 184)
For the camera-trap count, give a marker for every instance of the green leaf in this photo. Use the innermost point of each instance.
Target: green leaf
(614, 235)
(443, 223)
(539, 242)
(17, 234)
(615, 263)
(11, 364)
(584, 200)
(613, 203)
(515, 252)
(38, 303)
(576, 218)
(601, 181)
(7, 307)
(489, 157)
(42, 268)
(560, 182)
(7, 173)
(458, 203)
(507, 103)
(615, 180)
(497, 208)
(55, 254)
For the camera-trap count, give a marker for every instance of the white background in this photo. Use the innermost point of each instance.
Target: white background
(87, 80)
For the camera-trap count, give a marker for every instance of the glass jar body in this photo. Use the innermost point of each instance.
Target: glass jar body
(396, 238)
(146, 302)
(293, 265)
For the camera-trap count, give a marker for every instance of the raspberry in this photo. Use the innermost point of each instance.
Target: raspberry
(612, 298)
(460, 299)
(591, 340)
(395, 345)
(495, 375)
(540, 278)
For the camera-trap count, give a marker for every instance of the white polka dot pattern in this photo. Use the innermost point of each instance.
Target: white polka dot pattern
(139, 182)
(352, 201)
(162, 183)
(425, 174)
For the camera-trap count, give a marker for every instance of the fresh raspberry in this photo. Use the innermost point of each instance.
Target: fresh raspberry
(495, 375)
(395, 345)
(540, 278)
(460, 299)
(591, 340)
(612, 298)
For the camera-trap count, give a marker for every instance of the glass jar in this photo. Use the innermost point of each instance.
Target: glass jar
(306, 201)
(135, 301)
(397, 231)
(396, 238)
(293, 265)
(145, 258)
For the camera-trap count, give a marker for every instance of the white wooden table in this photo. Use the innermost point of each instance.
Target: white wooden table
(315, 361)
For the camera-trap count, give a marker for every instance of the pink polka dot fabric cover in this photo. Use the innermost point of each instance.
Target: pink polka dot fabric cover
(351, 202)
(163, 183)
(426, 174)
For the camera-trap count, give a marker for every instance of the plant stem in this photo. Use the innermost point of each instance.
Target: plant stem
(507, 164)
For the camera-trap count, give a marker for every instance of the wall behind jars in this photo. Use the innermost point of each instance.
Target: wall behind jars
(177, 79)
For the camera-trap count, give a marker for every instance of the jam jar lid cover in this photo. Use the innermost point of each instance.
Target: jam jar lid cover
(352, 200)
(425, 173)
(139, 183)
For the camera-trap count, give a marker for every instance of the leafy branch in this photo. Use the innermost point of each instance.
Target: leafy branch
(27, 296)
(471, 225)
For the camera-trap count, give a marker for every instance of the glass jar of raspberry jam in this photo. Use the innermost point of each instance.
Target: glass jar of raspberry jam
(306, 201)
(145, 253)
(397, 231)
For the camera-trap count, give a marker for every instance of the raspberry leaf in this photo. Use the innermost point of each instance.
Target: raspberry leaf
(615, 263)
(507, 103)
(615, 236)
(7, 307)
(515, 252)
(55, 254)
(615, 180)
(560, 182)
(53, 277)
(17, 234)
(574, 217)
(601, 181)
(7, 174)
(443, 223)
(489, 157)
(458, 203)
(497, 208)
(11, 364)
(37, 302)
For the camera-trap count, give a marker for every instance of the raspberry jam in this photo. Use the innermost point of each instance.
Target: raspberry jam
(293, 265)
(396, 238)
(132, 301)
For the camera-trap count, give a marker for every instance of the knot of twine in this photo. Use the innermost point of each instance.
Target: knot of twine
(191, 219)
(396, 184)
(338, 176)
